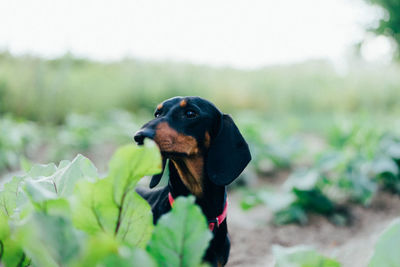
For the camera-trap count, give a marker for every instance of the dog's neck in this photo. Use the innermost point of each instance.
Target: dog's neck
(212, 198)
(191, 172)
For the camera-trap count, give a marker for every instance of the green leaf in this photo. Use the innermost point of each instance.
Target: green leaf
(40, 191)
(385, 165)
(302, 180)
(301, 257)
(314, 200)
(97, 248)
(4, 227)
(293, 213)
(49, 240)
(40, 170)
(130, 163)
(249, 201)
(105, 250)
(111, 205)
(9, 196)
(130, 258)
(181, 236)
(68, 174)
(276, 201)
(387, 248)
(94, 211)
(93, 208)
(136, 221)
(47, 182)
(12, 254)
(25, 164)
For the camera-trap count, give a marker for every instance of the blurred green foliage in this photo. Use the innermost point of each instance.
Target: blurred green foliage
(17, 138)
(389, 24)
(22, 140)
(385, 252)
(358, 159)
(48, 90)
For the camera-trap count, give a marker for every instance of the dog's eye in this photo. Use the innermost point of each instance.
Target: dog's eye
(157, 114)
(190, 114)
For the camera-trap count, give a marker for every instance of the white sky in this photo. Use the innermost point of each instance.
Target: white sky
(242, 33)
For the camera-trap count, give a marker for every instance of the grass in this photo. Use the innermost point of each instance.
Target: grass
(47, 90)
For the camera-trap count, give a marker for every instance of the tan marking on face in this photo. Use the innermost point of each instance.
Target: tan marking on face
(183, 103)
(169, 140)
(189, 167)
(207, 140)
(159, 106)
(190, 171)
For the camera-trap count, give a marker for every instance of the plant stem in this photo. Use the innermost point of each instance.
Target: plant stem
(120, 213)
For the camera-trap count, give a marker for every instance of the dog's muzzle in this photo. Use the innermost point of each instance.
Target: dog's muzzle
(142, 134)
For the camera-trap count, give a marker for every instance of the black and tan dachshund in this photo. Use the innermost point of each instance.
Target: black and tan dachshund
(206, 152)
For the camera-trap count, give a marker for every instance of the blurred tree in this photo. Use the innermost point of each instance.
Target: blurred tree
(389, 25)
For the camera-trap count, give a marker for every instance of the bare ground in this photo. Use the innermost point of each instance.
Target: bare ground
(252, 235)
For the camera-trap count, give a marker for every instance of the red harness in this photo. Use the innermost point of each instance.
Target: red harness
(211, 225)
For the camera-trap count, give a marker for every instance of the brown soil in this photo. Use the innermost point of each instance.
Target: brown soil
(252, 235)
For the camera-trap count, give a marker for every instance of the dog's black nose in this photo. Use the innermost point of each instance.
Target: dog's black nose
(142, 134)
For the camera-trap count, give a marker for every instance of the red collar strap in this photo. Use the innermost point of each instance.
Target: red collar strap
(218, 220)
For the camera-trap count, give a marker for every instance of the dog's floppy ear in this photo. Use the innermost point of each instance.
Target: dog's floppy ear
(156, 178)
(228, 154)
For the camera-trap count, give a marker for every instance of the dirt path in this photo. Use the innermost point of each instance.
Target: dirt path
(252, 236)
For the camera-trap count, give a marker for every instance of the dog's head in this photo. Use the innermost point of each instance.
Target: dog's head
(193, 128)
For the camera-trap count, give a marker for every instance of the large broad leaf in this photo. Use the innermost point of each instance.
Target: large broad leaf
(69, 173)
(301, 257)
(181, 236)
(100, 207)
(130, 163)
(105, 250)
(42, 170)
(111, 205)
(92, 207)
(49, 240)
(94, 211)
(387, 248)
(46, 182)
(135, 224)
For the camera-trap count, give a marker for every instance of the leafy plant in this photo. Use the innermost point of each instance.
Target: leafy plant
(271, 150)
(300, 194)
(301, 256)
(359, 160)
(17, 139)
(85, 132)
(387, 248)
(180, 238)
(66, 215)
(385, 253)
(387, 163)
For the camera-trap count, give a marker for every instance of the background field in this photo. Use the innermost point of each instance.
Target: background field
(325, 142)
